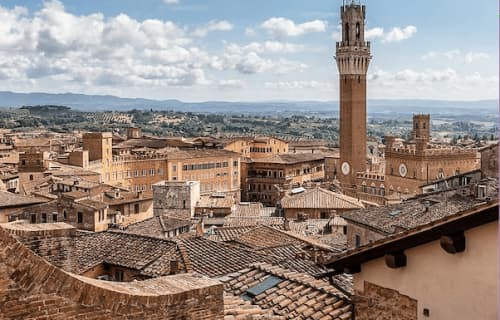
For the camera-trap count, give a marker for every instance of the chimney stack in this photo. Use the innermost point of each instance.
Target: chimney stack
(174, 266)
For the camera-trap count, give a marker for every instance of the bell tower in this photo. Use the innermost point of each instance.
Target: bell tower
(353, 57)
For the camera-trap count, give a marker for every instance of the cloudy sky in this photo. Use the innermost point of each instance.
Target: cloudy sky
(246, 50)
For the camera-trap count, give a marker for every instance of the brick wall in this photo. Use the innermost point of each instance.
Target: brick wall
(31, 288)
(382, 303)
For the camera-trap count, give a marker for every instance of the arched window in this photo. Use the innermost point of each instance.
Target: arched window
(31, 177)
(358, 31)
(347, 32)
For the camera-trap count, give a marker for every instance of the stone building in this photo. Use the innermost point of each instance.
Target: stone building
(176, 199)
(263, 180)
(10, 203)
(489, 160)
(446, 268)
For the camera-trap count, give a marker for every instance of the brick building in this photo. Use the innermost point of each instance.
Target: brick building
(411, 164)
(247, 147)
(353, 58)
(264, 179)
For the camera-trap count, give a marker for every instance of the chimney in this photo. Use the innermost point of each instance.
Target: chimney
(200, 227)
(286, 225)
(174, 266)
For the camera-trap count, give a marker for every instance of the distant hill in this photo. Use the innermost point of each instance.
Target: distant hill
(112, 103)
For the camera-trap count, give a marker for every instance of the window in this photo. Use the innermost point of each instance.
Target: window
(31, 177)
(225, 164)
(136, 208)
(235, 163)
(174, 168)
(344, 229)
(54, 217)
(358, 31)
(144, 172)
(65, 215)
(347, 32)
(119, 275)
(33, 218)
(136, 173)
(44, 218)
(80, 217)
(160, 171)
(358, 241)
(184, 202)
(152, 172)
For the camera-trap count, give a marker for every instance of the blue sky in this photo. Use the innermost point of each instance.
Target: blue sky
(245, 50)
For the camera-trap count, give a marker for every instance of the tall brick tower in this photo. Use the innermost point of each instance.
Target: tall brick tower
(353, 58)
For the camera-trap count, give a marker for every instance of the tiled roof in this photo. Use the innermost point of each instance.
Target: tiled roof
(155, 226)
(97, 205)
(319, 198)
(413, 212)
(228, 233)
(215, 202)
(8, 199)
(216, 258)
(240, 221)
(78, 254)
(291, 158)
(237, 308)
(289, 294)
(266, 237)
(201, 153)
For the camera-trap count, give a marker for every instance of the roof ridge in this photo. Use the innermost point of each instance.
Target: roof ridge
(185, 256)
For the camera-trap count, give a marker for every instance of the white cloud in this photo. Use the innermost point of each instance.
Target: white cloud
(374, 33)
(264, 47)
(456, 55)
(444, 84)
(232, 84)
(287, 85)
(396, 34)
(471, 57)
(171, 1)
(214, 25)
(250, 32)
(282, 27)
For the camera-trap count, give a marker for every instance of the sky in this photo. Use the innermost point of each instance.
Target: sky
(235, 50)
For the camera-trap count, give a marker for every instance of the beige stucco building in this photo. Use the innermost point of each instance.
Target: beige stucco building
(446, 269)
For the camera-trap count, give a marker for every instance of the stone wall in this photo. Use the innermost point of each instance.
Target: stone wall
(366, 235)
(381, 303)
(31, 288)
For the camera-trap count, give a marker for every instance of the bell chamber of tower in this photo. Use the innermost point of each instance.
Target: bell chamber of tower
(353, 58)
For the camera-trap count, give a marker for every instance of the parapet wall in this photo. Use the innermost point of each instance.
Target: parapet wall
(31, 288)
